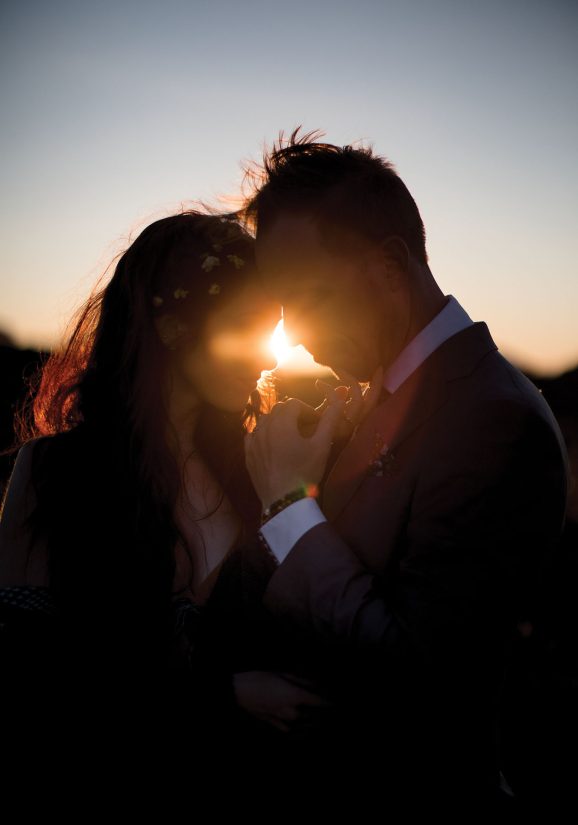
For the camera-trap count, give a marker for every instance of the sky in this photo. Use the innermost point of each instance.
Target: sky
(118, 113)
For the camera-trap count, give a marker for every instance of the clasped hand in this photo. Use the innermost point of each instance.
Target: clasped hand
(286, 701)
(291, 444)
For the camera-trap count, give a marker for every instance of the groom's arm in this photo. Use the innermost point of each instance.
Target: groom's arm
(285, 529)
(486, 508)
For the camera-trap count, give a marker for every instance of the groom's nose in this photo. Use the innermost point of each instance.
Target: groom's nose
(295, 325)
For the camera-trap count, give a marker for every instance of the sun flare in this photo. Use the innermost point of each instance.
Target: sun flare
(279, 344)
(293, 358)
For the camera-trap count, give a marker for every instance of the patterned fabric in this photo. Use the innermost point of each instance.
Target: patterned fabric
(29, 597)
(39, 599)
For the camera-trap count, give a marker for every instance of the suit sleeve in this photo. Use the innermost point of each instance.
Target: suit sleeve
(485, 508)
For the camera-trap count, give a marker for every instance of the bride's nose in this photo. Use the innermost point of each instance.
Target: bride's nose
(266, 358)
(255, 352)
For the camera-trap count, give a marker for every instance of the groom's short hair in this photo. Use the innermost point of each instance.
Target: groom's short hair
(349, 191)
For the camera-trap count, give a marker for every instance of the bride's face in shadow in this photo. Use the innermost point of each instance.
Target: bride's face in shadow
(223, 368)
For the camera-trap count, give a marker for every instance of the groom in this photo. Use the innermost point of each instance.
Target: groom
(424, 546)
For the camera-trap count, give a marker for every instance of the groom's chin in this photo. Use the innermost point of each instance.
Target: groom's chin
(341, 355)
(362, 375)
(352, 366)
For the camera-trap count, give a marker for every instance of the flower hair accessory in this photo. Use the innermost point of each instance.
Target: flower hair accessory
(209, 261)
(236, 261)
(225, 232)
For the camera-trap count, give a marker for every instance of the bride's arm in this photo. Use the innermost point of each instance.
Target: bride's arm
(210, 684)
(275, 698)
(23, 562)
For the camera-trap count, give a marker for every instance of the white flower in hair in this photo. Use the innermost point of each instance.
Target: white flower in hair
(234, 259)
(210, 262)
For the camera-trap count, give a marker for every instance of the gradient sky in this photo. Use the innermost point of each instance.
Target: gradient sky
(115, 113)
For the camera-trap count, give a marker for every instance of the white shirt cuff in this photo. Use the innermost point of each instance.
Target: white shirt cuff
(286, 528)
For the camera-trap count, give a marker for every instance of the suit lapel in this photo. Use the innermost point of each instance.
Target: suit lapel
(380, 432)
(388, 424)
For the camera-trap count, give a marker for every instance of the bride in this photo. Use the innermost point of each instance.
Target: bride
(129, 490)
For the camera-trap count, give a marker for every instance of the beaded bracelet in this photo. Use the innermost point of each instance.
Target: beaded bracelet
(282, 503)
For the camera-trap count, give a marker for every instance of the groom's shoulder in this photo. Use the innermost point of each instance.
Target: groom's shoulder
(479, 375)
(500, 379)
(499, 391)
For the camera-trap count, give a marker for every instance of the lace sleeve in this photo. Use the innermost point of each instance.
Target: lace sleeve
(27, 597)
(28, 615)
(29, 638)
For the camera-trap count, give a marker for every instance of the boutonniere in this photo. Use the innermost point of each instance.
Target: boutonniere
(385, 463)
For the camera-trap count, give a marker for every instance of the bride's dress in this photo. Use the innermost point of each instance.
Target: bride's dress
(54, 691)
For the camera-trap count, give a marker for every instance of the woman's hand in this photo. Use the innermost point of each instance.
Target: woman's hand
(281, 700)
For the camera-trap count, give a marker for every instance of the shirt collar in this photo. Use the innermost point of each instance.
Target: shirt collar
(451, 319)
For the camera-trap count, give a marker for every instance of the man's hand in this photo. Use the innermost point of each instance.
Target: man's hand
(359, 403)
(280, 699)
(279, 458)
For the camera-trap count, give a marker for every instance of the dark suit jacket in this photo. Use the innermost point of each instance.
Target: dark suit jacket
(429, 558)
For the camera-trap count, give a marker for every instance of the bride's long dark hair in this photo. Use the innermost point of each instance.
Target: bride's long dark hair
(105, 482)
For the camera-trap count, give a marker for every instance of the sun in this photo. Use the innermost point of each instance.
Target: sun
(279, 344)
(293, 358)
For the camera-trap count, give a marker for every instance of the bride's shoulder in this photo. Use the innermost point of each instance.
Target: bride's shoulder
(21, 475)
(39, 445)
(19, 565)
(40, 462)
(57, 450)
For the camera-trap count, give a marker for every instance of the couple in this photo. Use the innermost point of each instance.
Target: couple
(384, 545)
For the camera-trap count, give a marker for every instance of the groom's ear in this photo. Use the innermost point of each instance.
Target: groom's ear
(395, 260)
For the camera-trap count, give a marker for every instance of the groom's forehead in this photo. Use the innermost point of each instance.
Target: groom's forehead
(289, 236)
(291, 250)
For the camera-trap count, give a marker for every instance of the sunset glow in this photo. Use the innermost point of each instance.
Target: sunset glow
(279, 344)
(490, 80)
